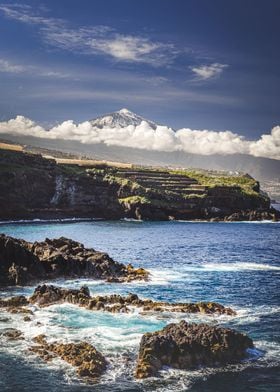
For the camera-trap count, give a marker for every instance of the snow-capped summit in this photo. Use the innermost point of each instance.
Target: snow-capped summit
(121, 118)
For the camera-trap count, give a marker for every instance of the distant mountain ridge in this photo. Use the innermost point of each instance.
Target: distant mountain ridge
(122, 118)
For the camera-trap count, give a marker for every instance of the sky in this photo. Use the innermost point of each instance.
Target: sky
(195, 64)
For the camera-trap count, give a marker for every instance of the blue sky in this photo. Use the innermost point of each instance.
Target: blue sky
(184, 63)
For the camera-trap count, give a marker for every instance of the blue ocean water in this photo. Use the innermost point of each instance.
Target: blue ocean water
(236, 264)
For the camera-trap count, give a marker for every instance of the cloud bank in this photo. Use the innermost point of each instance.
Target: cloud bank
(162, 138)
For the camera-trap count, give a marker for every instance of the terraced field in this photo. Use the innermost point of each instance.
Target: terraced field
(164, 181)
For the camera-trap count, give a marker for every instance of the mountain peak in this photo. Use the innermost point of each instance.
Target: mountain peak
(120, 119)
(125, 111)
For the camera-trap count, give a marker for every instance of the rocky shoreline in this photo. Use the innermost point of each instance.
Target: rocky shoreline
(23, 263)
(179, 346)
(47, 295)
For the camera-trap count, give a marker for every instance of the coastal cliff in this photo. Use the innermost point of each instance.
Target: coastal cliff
(35, 187)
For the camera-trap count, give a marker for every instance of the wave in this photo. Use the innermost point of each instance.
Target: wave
(165, 275)
(239, 266)
(225, 222)
(131, 220)
(55, 220)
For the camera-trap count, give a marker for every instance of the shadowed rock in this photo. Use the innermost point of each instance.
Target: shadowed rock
(186, 346)
(18, 265)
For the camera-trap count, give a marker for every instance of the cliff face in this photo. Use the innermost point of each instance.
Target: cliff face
(35, 187)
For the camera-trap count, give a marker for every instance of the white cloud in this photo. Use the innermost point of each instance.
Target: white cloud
(22, 126)
(6, 66)
(268, 145)
(94, 40)
(203, 142)
(204, 72)
(33, 70)
(127, 48)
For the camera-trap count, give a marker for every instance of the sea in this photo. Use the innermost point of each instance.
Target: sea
(235, 264)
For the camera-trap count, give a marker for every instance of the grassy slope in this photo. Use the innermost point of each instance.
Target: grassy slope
(247, 185)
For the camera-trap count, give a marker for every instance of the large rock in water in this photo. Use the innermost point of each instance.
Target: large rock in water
(23, 262)
(89, 362)
(186, 346)
(18, 265)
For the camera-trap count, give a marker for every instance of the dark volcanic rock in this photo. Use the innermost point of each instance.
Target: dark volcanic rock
(13, 302)
(254, 215)
(22, 262)
(65, 257)
(12, 334)
(46, 295)
(16, 304)
(186, 346)
(18, 265)
(89, 362)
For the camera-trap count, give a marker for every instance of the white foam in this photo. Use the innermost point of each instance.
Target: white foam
(239, 266)
(163, 276)
(227, 222)
(54, 220)
(132, 220)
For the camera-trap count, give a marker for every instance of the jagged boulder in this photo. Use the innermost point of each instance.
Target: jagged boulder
(90, 363)
(186, 346)
(48, 295)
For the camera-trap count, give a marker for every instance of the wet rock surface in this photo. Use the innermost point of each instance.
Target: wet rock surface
(23, 262)
(272, 215)
(89, 362)
(15, 304)
(187, 346)
(46, 295)
(12, 334)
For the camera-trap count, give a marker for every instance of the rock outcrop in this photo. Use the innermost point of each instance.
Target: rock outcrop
(16, 305)
(12, 334)
(23, 262)
(186, 346)
(18, 265)
(89, 362)
(46, 295)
